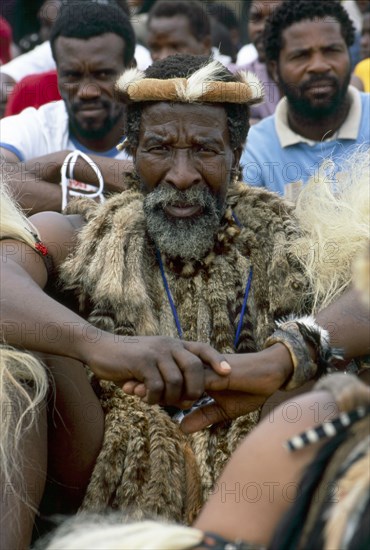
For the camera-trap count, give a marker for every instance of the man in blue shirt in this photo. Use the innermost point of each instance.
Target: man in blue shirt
(321, 116)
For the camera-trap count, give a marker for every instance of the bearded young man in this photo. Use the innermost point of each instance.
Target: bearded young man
(321, 116)
(92, 44)
(188, 253)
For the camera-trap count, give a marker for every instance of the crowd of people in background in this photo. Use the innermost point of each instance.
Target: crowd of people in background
(295, 148)
(219, 153)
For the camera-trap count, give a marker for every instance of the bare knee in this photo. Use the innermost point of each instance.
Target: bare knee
(76, 426)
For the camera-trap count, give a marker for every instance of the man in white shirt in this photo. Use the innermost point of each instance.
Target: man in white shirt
(89, 58)
(40, 59)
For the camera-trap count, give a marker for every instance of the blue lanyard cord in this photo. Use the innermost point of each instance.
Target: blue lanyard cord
(236, 220)
(169, 295)
(173, 307)
(246, 293)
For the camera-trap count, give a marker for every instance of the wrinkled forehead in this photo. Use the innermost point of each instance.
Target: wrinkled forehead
(208, 112)
(193, 118)
(305, 33)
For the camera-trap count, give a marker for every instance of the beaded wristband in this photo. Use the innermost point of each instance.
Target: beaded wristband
(304, 368)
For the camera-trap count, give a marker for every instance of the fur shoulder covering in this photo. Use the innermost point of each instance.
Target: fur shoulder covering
(115, 274)
(112, 265)
(268, 229)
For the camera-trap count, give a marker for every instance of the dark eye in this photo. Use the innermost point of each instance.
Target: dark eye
(334, 49)
(105, 74)
(255, 17)
(71, 77)
(158, 148)
(204, 150)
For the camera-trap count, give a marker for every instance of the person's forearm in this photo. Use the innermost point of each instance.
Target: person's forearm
(348, 323)
(35, 196)
(35, 184)
(33, 320)
(113, 170)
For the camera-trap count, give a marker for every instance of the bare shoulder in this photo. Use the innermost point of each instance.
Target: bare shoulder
(58, 232)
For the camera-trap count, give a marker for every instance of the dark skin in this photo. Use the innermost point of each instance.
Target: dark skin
(70, 432)
(260, 10)
(348, 322)
(87, 72)
(314, 50)
(172, 35)
(260, 482)
(255, 489)
(35, 183)
(157, 369)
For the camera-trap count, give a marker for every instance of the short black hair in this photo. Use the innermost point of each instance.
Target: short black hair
(290, 12)
(79, 19)
(182, 66)
(221, 39)
(223, 14)
(193, 10)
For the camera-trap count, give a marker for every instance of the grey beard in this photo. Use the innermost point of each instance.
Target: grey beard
(188, 239)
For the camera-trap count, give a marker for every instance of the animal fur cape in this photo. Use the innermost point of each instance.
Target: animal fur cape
(147, 466)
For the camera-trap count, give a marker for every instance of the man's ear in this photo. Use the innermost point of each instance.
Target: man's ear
(235, 173)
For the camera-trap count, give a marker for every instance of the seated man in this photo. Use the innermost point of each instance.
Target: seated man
(185, 259)
(40, 59)
(35, 143)
(321, 116)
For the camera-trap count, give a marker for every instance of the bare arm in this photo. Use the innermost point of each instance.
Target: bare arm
(170, 370)
(255, 489)
(348, 323)
(35, 184)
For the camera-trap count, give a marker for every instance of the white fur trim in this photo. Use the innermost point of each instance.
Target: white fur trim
(129, 77)
(254, 83)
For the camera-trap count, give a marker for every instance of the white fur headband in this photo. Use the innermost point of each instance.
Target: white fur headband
(201, 86)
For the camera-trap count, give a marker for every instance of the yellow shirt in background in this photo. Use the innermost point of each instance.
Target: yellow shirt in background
(362, 70)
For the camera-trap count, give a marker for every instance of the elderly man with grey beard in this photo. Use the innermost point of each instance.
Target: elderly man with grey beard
(178, 282)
